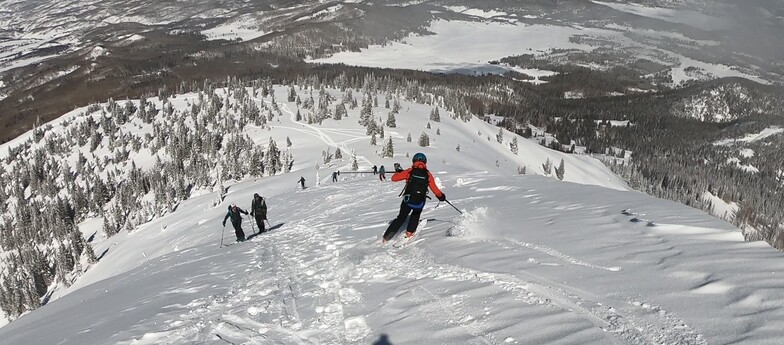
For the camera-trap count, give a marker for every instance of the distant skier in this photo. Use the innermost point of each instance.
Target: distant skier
(302, 181)
(258, 209)
(382, 174)
(334, 176)
(418, 179)
(236, 221)
(375, 170)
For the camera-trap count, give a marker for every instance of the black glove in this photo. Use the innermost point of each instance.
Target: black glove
(442, 197)
(224, 224)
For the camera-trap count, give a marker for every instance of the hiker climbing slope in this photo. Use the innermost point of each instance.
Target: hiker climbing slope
(258, 209)
(236, 221)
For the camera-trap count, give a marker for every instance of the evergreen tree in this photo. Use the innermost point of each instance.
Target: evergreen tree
(340, 111)
(513, 145)
(547, 167)
(292, 94)
(273, 163)
(371, 127)
(391, 120)
(559, 171)
(424, 140)
(434, 115)
(389, 150)
(366, 114)
(288, 161)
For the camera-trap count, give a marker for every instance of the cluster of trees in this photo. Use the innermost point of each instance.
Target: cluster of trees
(670, 135)
(44, 196)
(197, 147)
(674, 156)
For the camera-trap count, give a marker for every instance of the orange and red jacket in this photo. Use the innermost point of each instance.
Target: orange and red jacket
(431, 182)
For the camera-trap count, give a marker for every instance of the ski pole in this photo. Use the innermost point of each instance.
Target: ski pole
(222, 231)
(453, 206)
(250, 220)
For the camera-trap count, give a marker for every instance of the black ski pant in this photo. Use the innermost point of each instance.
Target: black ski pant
(238, 231)
(413, 221)
(260, 223)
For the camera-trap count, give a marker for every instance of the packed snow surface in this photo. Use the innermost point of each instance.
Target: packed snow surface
(530, 259)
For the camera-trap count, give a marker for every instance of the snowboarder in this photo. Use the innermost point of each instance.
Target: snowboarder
(334, 176)
(258, 209)
(302, 181)
(418, 179)
(382, 174)
(375, 170)
(236, 221)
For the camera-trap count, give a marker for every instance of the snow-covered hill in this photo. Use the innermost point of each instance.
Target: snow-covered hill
(119, 165)
(530, 260)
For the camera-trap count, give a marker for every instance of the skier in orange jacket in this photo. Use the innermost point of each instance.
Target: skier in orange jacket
(418, 180)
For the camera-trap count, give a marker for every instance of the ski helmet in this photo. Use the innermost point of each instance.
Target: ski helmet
(419, 157)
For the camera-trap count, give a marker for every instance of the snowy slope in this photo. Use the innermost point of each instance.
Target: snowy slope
(479, 150)
(532, 260)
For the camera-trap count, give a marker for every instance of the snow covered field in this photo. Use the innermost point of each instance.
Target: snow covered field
(244, 27)
(462, 45)
(532, 260)
(468, 47)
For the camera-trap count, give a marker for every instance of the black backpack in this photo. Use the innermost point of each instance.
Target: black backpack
(416, 187)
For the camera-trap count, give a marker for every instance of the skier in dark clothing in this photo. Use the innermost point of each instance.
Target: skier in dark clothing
(382, 174)
(418, 179)
(236, 221)
(258, 209)
(335, 176)
(302, 181)
(375, 170)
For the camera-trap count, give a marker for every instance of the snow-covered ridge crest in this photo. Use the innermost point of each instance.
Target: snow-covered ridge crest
(530, 259)
(121, 165)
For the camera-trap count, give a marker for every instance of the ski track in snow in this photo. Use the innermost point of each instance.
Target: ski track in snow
(321, 133)
(322, 278)
(300, 289)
